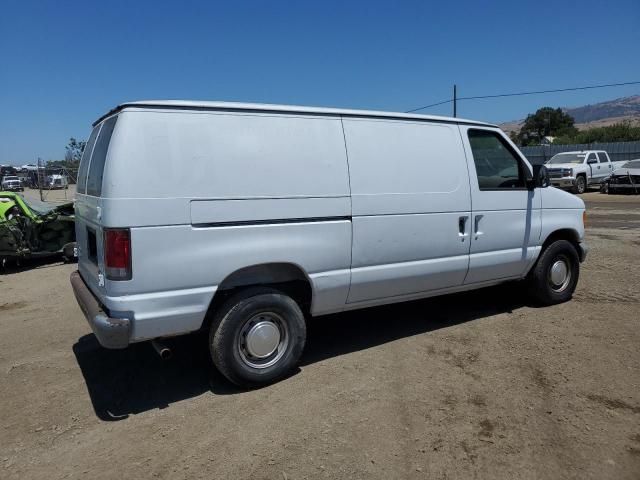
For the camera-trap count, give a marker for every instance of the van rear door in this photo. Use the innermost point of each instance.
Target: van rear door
(89, 231)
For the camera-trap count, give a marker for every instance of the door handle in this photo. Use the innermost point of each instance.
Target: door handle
(476, 225)
(462, 227)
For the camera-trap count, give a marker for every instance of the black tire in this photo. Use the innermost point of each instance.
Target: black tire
(228, 338)
(541, 286)
(581, 185)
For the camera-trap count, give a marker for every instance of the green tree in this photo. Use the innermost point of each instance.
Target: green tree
(547, 121)
(618, 132)
(74, 151)
(72, 157)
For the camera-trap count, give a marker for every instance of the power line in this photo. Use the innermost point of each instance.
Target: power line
(478, 97)
(551, 91)
(432, 105)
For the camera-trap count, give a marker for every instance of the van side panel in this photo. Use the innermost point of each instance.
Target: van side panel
(205, 212)
(208, 193)
(225, 156)
(410, 188)
(177, 268)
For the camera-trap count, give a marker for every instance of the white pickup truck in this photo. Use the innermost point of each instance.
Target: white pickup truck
(11, 183)
(578, 170)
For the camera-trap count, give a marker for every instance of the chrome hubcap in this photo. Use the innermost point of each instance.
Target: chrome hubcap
(559, 274)
(263, 340)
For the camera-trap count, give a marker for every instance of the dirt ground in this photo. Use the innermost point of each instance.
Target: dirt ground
(474, 385)
(55, 197)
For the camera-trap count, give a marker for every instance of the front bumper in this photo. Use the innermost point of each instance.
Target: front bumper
(563, 182)
(110, 332)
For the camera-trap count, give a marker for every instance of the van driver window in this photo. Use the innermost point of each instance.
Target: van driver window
(497, 168)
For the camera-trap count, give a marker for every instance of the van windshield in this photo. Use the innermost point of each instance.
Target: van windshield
(567, 158)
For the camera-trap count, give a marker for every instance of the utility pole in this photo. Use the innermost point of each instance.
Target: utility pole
(455, 100)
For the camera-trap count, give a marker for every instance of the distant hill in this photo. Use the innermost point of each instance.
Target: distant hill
(626, 107)
(596, 115)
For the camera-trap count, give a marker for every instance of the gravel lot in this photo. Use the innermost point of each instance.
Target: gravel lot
(50, 196)
(475, 385)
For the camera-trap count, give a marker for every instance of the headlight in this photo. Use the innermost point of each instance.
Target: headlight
(567, 172)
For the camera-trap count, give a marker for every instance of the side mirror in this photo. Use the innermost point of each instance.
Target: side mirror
(540, 177)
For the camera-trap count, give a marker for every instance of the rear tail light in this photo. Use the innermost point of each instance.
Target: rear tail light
(117, 254)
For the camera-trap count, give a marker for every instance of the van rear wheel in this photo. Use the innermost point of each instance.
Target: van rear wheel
(555, 276)
(257, 337)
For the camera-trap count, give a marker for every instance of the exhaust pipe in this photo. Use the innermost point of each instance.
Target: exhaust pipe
(162, 350)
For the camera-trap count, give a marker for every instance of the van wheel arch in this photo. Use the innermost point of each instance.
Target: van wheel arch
(284, 277)
(567, 234)
(563, 234)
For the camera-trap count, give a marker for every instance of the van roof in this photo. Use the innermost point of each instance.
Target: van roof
(264, 107)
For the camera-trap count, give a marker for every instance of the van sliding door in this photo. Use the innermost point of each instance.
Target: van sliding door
(411, 207)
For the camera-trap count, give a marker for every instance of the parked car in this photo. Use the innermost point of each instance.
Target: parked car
(56, 182)
(578, 170)
(278, 213)
(28, 231)
(7, 170)
(625, 179)
(11, 183)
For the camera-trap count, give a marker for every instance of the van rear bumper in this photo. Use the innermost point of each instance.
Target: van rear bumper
(110, 332)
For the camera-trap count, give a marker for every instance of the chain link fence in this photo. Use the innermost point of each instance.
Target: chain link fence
(53, 184)
(539, 154)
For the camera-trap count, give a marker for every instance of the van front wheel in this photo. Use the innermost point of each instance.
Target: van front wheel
(257, 337)
(555, 276)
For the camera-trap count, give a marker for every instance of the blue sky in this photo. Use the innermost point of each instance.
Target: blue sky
(64, 63)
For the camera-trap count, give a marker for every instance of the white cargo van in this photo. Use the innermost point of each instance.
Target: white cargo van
(246, 219)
